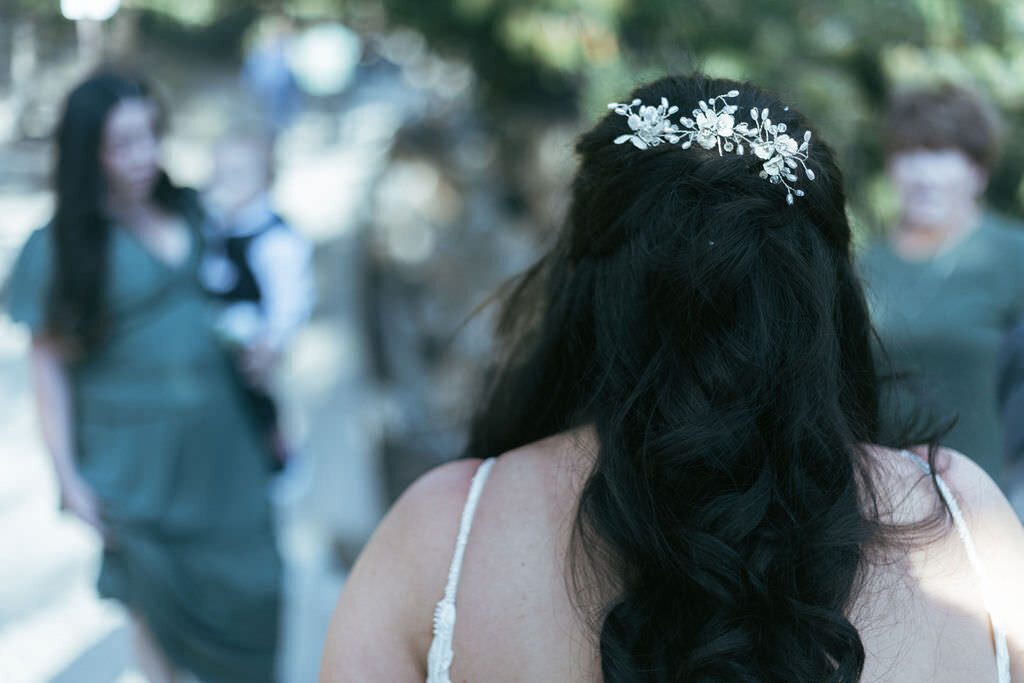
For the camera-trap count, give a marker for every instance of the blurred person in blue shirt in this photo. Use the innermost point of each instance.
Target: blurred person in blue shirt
(266, 71)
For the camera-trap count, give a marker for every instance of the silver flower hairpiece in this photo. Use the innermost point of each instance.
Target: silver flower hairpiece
(714, 126)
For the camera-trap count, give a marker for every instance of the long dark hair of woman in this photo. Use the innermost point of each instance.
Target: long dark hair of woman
(76, 306)
(718, 341)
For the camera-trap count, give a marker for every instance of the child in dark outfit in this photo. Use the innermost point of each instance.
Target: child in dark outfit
(258, 267)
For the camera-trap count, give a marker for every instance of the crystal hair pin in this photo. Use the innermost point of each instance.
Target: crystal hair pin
(714, 126)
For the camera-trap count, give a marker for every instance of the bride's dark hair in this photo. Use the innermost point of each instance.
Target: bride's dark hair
(718, 341)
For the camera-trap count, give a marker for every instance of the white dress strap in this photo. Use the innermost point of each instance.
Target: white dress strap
(439, 658)
(998, 635)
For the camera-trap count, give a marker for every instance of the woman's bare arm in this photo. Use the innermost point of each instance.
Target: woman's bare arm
(53, 405)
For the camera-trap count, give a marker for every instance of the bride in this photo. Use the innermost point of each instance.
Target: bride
(672, 476)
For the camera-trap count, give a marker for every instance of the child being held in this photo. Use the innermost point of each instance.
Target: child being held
(258, 268)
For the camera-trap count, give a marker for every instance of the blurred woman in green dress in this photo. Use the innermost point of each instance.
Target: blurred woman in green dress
(149, 436)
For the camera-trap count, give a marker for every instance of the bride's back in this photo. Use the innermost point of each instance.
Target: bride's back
(921, 612)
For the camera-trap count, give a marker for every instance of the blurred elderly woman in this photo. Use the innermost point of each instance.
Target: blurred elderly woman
(947, 284)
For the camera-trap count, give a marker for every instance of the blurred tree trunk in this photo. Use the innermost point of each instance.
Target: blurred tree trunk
(123, 35)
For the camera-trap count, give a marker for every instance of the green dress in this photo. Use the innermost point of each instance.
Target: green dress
(941, 323)
(162, 437)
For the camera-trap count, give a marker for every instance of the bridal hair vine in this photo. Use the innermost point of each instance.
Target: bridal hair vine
(714, 126)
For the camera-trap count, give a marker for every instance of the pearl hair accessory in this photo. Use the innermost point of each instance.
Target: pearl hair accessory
(714, 126)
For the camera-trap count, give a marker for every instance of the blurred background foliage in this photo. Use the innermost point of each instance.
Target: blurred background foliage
(542, 65)
(836, 60)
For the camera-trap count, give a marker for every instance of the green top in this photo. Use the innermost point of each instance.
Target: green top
(941, 322)
(162, 436)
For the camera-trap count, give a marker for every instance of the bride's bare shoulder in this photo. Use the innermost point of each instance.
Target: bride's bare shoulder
(906, 481)
(381, 628)
(995, 531)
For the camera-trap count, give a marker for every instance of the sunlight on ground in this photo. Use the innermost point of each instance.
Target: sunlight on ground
(39, 647)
